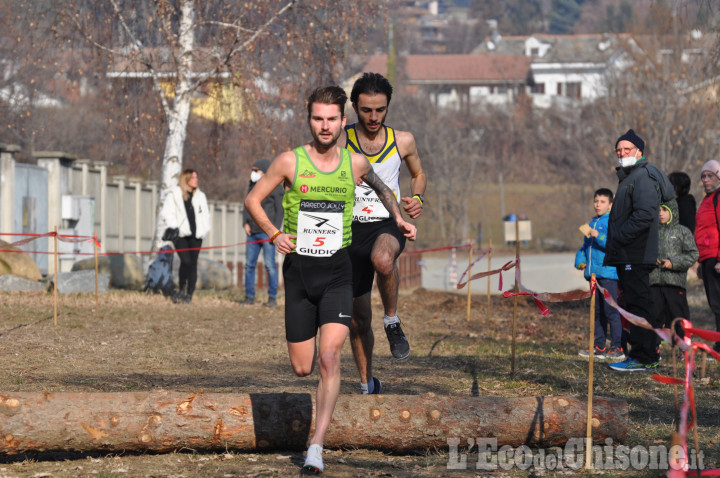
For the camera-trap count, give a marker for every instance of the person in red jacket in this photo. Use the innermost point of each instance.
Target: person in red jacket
(707, 238)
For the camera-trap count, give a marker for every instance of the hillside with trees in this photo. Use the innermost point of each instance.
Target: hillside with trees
(58, 93)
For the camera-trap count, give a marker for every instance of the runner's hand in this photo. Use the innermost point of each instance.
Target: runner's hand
(283, 243)
(412, 207)
(408, 230)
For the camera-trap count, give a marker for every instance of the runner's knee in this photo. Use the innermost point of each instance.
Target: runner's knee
(384, 264)
(329, 362)
(301, 369)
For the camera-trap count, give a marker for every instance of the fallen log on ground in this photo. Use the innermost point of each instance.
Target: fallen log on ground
(162, 421)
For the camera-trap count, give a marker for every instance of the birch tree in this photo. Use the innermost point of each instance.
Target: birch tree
(199, 44)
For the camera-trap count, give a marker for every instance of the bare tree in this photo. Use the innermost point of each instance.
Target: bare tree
(184, 49)
(450, 148)
(668, 97)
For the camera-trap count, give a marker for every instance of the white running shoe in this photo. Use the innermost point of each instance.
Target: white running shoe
(313, 460)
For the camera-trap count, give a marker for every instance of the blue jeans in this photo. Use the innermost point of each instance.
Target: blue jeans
(252, 251)
(607, 316)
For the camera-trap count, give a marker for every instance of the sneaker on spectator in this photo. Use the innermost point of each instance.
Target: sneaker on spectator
(615, 354)
(632, 365)
(247, 301)
(313, 460)
(599, 353)
(399, 346)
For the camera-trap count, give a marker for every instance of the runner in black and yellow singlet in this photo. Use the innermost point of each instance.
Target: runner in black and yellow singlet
(377, 243)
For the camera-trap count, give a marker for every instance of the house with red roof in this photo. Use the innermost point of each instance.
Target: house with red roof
(460, 81)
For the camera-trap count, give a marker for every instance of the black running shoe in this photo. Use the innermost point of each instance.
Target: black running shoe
(377, 387)
(399, 346)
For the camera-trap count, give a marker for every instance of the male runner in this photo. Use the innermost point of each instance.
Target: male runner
(377, 242)
(320, 180)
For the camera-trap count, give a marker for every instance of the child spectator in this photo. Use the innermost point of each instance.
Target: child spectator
(687, 207)
(590, 258)
(677, 252)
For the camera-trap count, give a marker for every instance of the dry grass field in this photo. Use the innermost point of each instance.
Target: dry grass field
(138, 342)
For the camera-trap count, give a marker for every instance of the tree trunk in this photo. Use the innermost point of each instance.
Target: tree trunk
(162, 421)
(177, 116)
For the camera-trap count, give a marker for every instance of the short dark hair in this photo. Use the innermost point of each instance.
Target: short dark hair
(371, 83)
(681, 181)
(604, 192)
(328, 95)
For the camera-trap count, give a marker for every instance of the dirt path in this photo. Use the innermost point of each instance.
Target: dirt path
(140, 342)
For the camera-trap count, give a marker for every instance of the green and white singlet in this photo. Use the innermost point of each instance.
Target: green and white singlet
(318, 205)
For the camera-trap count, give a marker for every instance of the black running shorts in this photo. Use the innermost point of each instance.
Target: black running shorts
(364, 235)
(318, 291)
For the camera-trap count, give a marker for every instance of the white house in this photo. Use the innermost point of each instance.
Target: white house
(565, 67)
(570, 68)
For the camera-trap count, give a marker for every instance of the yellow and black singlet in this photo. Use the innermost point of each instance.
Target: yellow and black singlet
(386, 164)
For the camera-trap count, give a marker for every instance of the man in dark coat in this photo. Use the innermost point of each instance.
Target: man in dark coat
(632, 242)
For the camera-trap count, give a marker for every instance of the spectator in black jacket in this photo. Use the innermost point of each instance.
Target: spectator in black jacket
(632, 243)
(686, 202)
(257, 239)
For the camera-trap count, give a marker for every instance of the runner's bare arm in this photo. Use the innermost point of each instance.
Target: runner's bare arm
(418, 182)
(385, 194)
(282, 169)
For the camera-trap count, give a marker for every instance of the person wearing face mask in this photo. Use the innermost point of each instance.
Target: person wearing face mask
(632, 243)
(707, 238)
(258, 240)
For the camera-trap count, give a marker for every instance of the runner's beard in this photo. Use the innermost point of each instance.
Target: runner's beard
(366, 126)
(325, 142)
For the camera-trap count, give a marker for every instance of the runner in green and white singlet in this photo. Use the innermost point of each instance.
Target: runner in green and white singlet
(318, 206)
(317, 270)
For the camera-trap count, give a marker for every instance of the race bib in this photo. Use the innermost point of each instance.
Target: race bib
(368, 207)
(320, 228)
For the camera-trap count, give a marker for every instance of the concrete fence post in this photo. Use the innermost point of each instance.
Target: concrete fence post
(84, 165)
(7, 188)
(101, 201)
(223, 231)
(153, 187)
(120, 208)
(136, 184)
(59, 167)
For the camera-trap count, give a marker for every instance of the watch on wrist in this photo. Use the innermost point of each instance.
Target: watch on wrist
(420, 198)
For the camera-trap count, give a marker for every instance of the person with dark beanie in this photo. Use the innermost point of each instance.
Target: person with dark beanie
(687, 207)
(632, 243)
(707, 238)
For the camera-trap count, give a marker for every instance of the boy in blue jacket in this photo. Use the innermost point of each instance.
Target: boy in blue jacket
(590, 258)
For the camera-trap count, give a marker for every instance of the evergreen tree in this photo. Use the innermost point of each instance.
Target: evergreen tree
(563, 16)
(619, 22)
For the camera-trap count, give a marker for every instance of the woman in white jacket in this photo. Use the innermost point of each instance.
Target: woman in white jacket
(186, 210)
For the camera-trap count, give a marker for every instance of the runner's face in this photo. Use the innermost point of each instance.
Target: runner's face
(371, 110)
(326, 123)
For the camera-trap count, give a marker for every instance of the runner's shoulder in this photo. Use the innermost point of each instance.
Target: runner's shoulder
(405, 141)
